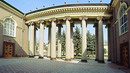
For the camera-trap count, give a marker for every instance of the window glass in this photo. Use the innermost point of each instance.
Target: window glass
(9, 26)
(123, 20)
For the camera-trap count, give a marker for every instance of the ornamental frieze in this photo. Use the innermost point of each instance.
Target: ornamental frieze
(104, 9)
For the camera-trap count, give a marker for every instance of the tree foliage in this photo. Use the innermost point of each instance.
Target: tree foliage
(63, 42)
(77, 41)
(90, 44)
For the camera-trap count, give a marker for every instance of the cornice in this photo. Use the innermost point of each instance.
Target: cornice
(70, 10)
(69, 5)
(13, 10)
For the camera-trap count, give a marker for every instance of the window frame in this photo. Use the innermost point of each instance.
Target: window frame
(123, 24)
(7, 28)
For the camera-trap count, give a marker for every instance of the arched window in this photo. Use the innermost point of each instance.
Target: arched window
(123, 19)
(9, 27)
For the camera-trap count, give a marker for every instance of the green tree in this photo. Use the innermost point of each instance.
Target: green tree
(45, 47)
(77, 41)
(63, 42)
(90, 44)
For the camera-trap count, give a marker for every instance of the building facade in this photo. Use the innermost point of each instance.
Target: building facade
(116, 17)
(119, 33)
(13, 32)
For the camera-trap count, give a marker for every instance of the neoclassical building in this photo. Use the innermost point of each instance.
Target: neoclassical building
(116, 16)
(13, 31)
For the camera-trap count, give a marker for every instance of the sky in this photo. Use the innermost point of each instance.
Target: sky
(30, 5)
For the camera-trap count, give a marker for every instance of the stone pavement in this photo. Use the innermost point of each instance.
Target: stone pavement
(33, 65)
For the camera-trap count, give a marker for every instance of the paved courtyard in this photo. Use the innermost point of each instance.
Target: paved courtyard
(33, 65)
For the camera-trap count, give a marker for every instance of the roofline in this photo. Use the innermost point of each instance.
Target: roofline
(12, 6)
(67, 5)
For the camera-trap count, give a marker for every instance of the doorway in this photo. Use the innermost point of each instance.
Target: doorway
(8, 49)
(125, 54)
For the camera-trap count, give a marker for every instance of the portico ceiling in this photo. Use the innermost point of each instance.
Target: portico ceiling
(72, 10)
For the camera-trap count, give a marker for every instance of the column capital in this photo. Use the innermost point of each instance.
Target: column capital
(31, 23)
(41, 22)
(67, 18)
(99, 18)
(52, 19)
(83, 18)
(59, 22)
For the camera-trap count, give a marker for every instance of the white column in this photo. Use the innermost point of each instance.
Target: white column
(41, 43)
(59, 43)
(68, 56)
(32, 42)
(100, 41)
(84, 39)
(53, 39)
(35, 43)
(49, 42)
(72, 44)
(96, 41)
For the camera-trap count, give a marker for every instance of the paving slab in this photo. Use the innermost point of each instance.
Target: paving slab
(33, 65)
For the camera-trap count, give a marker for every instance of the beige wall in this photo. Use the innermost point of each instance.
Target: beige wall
(21, 39)
(1, 40)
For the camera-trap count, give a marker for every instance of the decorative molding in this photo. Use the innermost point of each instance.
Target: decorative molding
(71, 11)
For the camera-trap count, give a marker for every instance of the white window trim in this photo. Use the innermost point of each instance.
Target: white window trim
(119, 18)
(10, 17)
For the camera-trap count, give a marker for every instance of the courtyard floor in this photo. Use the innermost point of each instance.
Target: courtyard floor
(33, 65)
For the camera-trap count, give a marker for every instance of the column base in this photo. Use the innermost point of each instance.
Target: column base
(58, 57)
(48, 56)
(31, 56)
(52, 58)
(72, 58)
(96, 59)
(67, 59)
(41, 57)
(84, 61)
(109, 60)
(101, 61)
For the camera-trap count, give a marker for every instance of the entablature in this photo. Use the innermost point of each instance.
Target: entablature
(73, 11)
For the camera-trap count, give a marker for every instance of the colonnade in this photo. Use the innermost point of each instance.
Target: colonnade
(69, 38)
